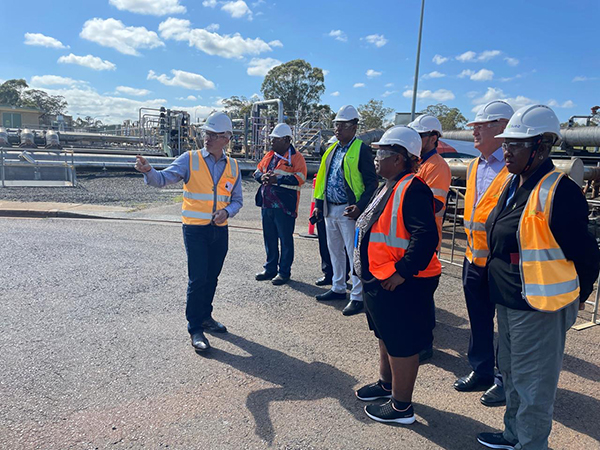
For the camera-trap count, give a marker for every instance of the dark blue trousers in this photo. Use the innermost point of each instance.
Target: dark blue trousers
(482, 352)
(278, 227)
(206, 247)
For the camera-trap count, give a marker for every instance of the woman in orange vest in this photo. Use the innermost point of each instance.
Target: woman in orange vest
(542, 266)
(395, 257)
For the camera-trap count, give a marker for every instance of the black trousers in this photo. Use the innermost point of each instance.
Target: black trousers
(206, 247)
(482, 352)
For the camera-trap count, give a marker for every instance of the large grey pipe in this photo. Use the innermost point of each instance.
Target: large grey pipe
(579, 136)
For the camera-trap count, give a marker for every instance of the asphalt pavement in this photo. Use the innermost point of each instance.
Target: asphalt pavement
(95, 352)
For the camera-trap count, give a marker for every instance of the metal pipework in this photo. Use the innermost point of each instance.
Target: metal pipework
(370, 136)
(279, 103)
(574, 168)
(580, 136)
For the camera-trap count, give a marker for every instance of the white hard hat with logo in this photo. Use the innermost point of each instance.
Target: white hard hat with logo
(218, 122)
(281, 130)
(531, 121)
(346, 114)
(426, 124)
(401, 135)
(494, 110)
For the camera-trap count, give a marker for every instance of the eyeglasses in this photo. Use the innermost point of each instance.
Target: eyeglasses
(481, 126)
(342, 125)
(211, 135)
(383, 154)
(427, 134)
(516, 146)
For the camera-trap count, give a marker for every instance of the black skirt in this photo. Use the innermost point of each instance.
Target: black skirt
(403, 318)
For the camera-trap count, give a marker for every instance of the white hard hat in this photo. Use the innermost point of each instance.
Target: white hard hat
(346, 114)
(425, 124)
(218, 122)
(404, 136)
(281, 130)
(530, 121)
(494, 110)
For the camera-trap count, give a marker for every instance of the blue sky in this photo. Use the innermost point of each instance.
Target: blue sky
(110, 57)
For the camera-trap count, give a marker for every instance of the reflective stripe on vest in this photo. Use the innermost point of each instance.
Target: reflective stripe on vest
(389, 237)
(201, 196)
(549, 280)
(351, 173)
(475, 215)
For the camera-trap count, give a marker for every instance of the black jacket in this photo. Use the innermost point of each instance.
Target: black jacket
(419, 220)
(366, 168)
(569, 225)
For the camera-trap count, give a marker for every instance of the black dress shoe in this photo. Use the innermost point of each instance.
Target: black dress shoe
(330, 295)
(264, 275)
(323, 281)
(213, 326)
(353, 307)
(494, 396)
(473, 382)
(279, 280)
(199, 342)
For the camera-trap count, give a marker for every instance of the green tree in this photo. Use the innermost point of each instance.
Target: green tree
(49, 104)
(237, 107)
(450, 118)
(372, 114)
(297, 84)
(10, 92)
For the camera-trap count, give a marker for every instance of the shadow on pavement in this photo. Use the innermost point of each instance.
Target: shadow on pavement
(578, 412)
(581, 367)
(297, 380)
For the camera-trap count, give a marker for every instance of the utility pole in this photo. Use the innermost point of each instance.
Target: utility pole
(414, 99)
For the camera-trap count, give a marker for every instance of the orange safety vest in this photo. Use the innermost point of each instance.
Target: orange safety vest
(475, 215)
(390, 238)
(550, 281)
(436, 173)
(201, 196)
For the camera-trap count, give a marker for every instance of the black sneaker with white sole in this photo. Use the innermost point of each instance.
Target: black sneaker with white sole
(495, 440)
(387, 413)
(373, 391)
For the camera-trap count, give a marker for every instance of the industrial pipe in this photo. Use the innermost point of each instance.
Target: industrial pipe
(255, 106)
(579, 136)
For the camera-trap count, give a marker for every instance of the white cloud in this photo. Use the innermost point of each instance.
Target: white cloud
(259, 67)
(276, 43)
(257, 3)
(580, 78)
(335, 94)
(472, 94)
(498, 94)
(482, 75)
(151, 7)
(441, 95)
(505, 79)
(132, 91)
(188, 98)
(325, 72)
(53, 80)
(388, 93)
(439, 59)
(378, 40)
(339, 35)
(434, 74)
(388, 85)
(112, 33)
(372, 73)
(92, 62)
(226, 46)
(40, 40)
(554, 104)
(209, 3)
(511, 61)
(183, 79)
(213, 27)
(237, 9)
(466, 56)
(359, 85)
(488, 54)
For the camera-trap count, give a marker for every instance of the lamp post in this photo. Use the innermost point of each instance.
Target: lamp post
(414, 99)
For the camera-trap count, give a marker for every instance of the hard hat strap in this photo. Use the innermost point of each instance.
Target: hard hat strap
(534, 151)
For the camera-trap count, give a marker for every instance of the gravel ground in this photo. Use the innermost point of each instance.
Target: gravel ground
(105, 188)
